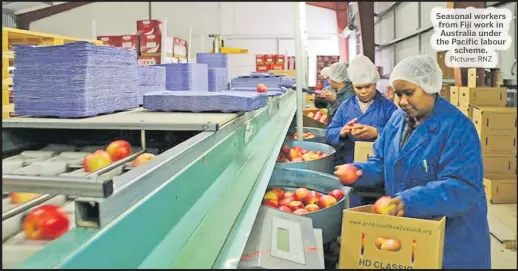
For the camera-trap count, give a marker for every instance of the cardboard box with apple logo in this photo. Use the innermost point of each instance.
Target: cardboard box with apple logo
(373, 241)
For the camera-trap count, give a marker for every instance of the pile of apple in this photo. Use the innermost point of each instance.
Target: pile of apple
(115, 151)
(298, 154)
(305, 136)
(318, 116)
(302, 201)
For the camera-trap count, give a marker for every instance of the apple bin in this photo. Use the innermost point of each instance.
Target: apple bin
(325, 164)
(328, 219)
(320, 134)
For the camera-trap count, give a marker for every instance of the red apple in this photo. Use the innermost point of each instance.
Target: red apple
(271, 202)
(326, 201)
(289, 195)
(262, 88)
(294, 205)
(312, 197)
(142, 159)
(379, 241)
(383, 206)
(391, 245)
(278, 191)
(271, 195)
(337, 194)
(119, 149)
(301, 193)
(323, 119)
(311, 114)
(285, 209)
(285, 202)
(46, 222)
(293, 154)
(348, 173)
(312, 207)
(19, 198)
(96, 161)
(301, 212)
(318, 115)
(285, 149)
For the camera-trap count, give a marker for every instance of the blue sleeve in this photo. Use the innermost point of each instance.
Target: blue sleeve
(388, 110)
(459, 185)
(333, 129)
(373, 171)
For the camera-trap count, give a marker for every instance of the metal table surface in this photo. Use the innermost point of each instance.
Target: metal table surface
(137, 119)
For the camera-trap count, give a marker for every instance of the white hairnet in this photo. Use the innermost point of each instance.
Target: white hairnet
(421, 70)
(325, 72)
(338, 72)
(362, 71)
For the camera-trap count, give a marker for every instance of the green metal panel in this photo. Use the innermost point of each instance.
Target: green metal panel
(187, 221)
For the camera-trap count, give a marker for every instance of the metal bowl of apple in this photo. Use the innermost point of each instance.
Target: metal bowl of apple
(306, 155)
(310, 134)
(316, 195)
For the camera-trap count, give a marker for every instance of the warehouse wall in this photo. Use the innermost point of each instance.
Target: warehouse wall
(410, 18)
(265, 27)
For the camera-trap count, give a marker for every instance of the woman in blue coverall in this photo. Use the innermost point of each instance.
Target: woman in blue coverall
(368, 111)
(340, 88)
(429, 158)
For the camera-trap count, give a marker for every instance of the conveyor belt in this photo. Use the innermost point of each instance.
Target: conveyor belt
(137, 119)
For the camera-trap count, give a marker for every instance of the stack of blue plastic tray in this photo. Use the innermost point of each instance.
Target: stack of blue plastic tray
(187, 76)
(271, 91)
(151, 78)
(197, 101)
(271, 81)
(218, 79)
(74, 80)
(213, 60)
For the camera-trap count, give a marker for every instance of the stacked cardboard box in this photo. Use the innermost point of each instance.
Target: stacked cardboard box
(266, 63)
(322, 62)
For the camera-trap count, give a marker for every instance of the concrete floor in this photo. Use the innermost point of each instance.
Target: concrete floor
(502, 221)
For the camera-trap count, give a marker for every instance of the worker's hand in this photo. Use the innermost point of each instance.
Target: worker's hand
(328, 95)
(399, 210)
(346, 130)
(364, 132)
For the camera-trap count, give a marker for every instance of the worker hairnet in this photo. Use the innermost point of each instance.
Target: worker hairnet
(338, 72)
(421, 70)
(362, 71)
(325, 72)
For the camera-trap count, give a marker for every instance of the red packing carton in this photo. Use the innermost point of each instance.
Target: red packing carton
(261, 68)
(149, 27)
(276, 67)
(153, 60)
(114, 41)
(279, 59)
(150, 45)
(130, 42)
(270, 59)
(260, 59)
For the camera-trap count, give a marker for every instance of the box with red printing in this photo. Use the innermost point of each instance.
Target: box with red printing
(151, 45)
(114, 41)
(270, 59)
(260, 59)
(153, 60)
(130, 42)
(276, 67)
(279, 59)
(261, 67)
(149, 27)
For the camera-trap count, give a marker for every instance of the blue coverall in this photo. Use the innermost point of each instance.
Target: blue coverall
(438, 172)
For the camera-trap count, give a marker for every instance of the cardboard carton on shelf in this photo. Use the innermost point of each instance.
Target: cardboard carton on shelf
(114, 41)
(468, 111)
(130, 42)
(260, 59)
(496, 127)
(362, 150)
(421, 241)
(454, 95)
(149, 27)
(151, 45)
(482, 96)
(154, 60)
(500, 188)
(499, 163)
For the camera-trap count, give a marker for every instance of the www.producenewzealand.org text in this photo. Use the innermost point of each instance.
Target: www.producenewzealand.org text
(390, 226)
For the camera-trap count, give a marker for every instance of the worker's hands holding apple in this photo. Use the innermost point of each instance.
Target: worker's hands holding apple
(327, 95)
(364, 132)
(399, 209)
(346, 130)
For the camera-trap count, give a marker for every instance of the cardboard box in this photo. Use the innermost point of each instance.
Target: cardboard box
(269, 59)
(280, 59)
(262, 67)
(483, 96)
(498, 143)
(179, 48)
(130, 42)
(362, 151)
(445, 92)
(468, 111)
(500, 189)
(151, 45)
(361, 227)
(454, 95)
(149, 27)
(114, 41)
(499, 163)
(476, 77)
(495, 120)
(276, 67)
(153, 60)
(260, 59)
